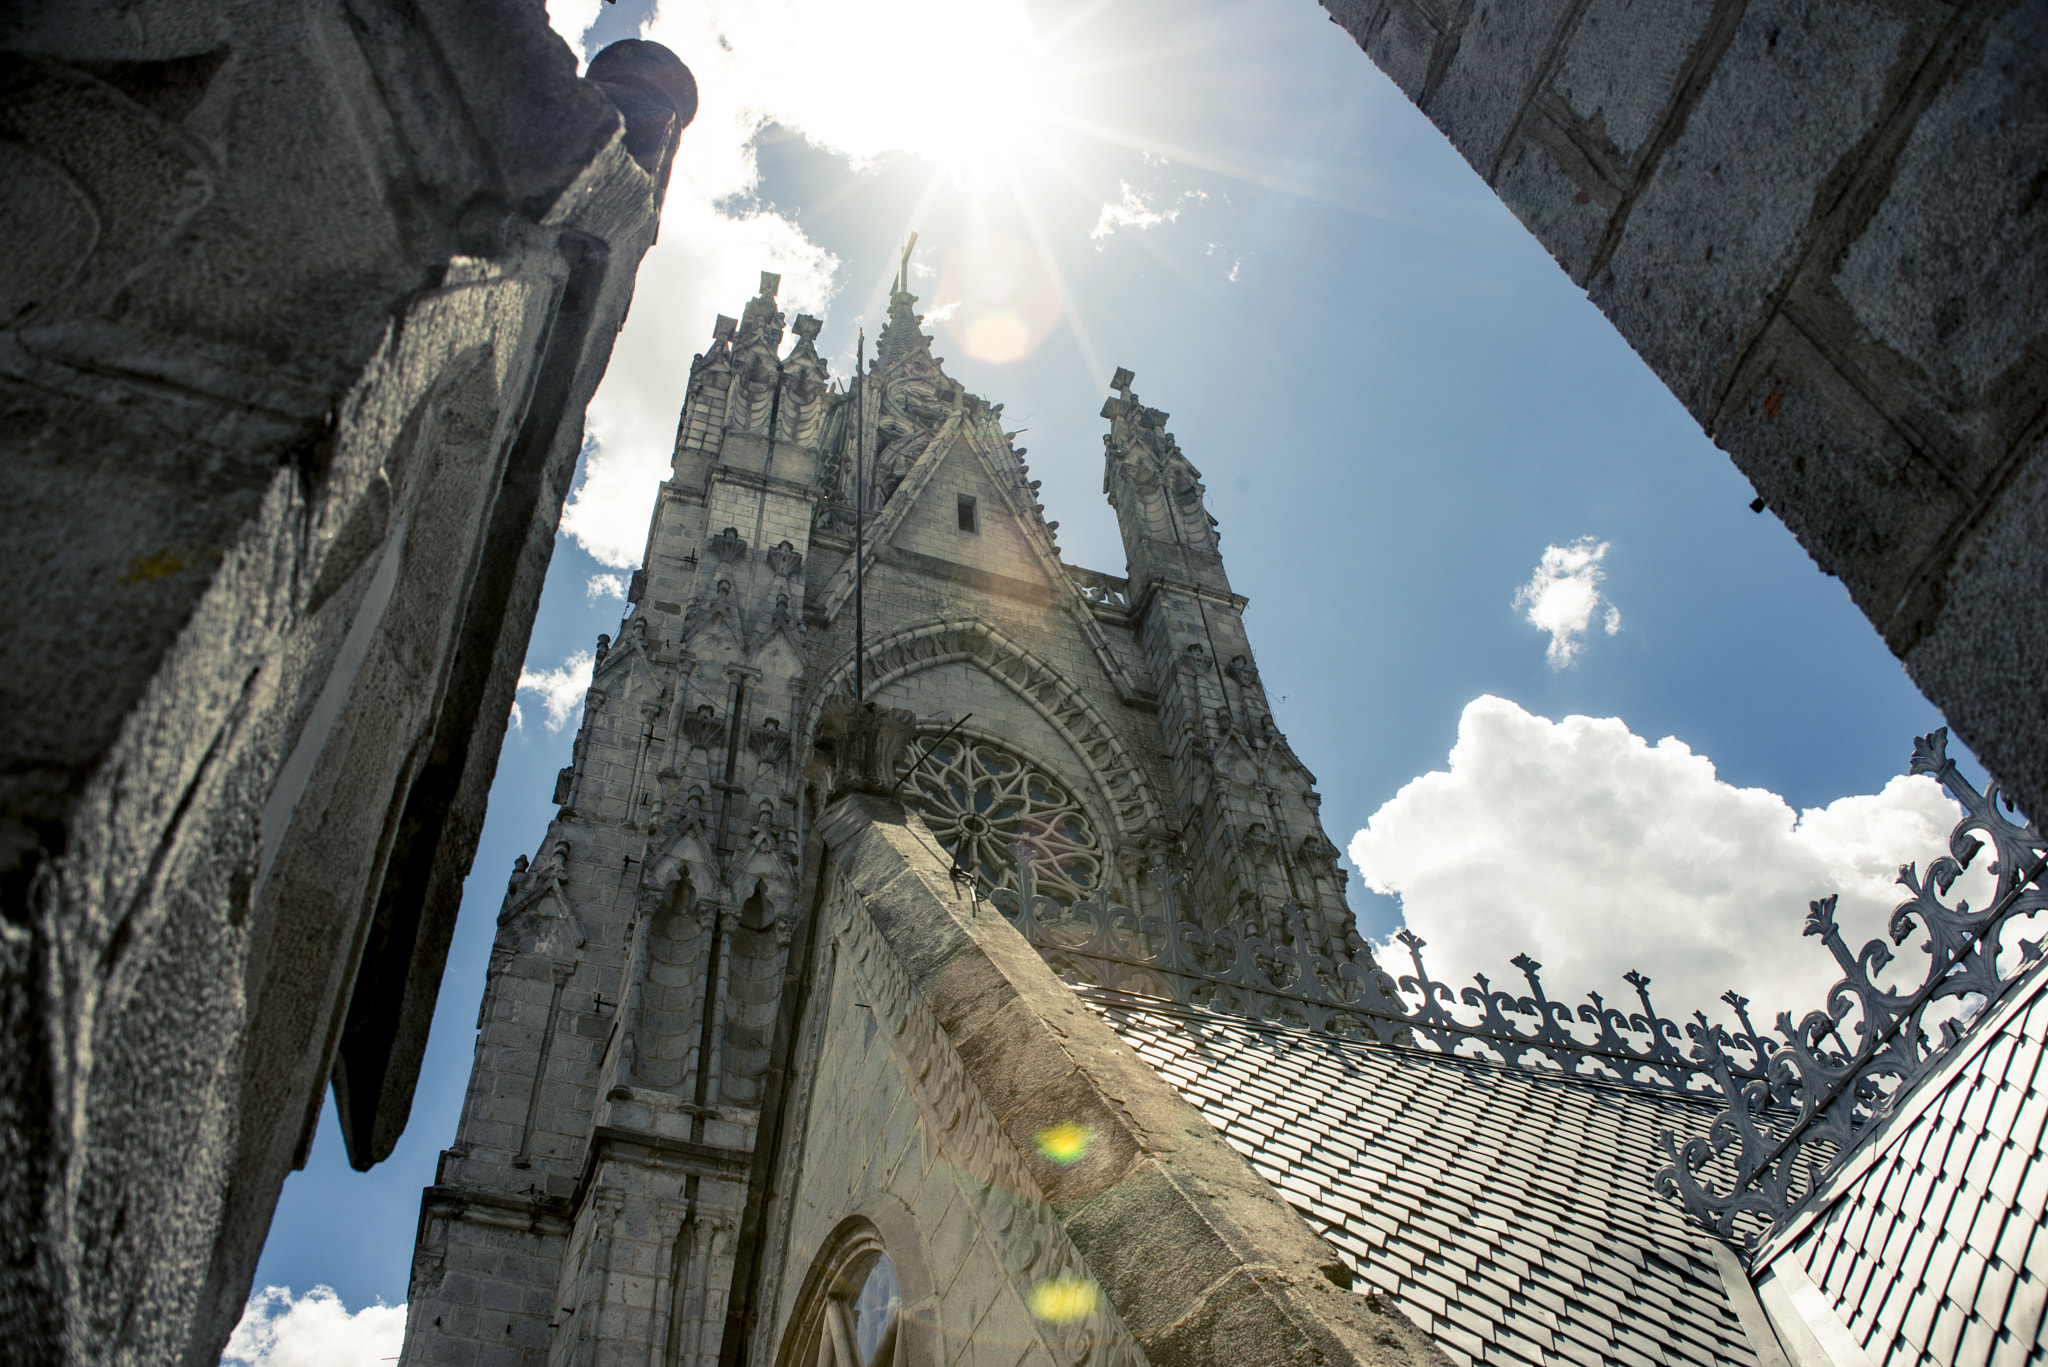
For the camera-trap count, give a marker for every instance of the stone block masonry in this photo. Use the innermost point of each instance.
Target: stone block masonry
(938, 1050)
(1823, 226)
(301, 311)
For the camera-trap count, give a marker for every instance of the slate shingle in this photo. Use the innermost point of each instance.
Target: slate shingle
(1509, 1208)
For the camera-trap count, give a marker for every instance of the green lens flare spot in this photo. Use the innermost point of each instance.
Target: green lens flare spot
(1065, 1142)
(1065, 1300)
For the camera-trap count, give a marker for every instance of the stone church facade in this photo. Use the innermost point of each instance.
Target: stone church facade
(988, 995)
(694, 1037)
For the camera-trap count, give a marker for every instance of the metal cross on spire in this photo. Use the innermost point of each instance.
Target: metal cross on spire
(903, 269)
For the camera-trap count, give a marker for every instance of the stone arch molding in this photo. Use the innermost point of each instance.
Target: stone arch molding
(912, 651)
(881, 1223)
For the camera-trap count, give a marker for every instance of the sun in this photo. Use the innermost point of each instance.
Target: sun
(973, 103)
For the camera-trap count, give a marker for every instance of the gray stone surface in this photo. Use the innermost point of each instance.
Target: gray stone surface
(1201, 1260)
(1821, 225)
(303, 308)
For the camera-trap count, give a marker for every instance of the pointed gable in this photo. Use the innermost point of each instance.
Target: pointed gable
(962, 517)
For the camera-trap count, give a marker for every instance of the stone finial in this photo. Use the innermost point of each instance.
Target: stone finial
(655, 94)
(760, 320)
(856, 746)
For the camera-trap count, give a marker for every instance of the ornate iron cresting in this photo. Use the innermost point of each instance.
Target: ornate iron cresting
(1844, 1068)
(1095, 942)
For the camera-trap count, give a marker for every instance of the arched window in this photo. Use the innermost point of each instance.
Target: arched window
(995, 811)
(852, 1309)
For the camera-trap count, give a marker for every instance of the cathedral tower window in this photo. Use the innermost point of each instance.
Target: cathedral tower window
(996, 812)
(968, 518)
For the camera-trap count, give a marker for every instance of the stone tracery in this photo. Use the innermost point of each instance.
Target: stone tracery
(997, 813)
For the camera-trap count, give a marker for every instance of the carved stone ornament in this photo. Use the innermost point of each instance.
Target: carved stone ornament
(769, 742)
(1241, 669)
(856, 745)
(705, 730)
(785, 560)
(784, 618)
(728, 545)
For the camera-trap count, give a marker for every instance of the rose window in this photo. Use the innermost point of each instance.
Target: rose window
(996, 813)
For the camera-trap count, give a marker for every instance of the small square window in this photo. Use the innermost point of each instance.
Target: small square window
(967, 521)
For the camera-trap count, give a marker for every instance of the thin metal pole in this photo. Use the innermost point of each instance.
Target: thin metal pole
(860, 495)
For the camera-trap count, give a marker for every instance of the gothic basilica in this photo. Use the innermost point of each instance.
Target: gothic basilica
(938, 958)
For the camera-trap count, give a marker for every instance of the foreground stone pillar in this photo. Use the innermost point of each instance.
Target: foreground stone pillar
(1823, 225)
(302, 309)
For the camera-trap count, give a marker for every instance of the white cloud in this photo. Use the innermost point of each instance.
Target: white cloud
(605, 586)
(517, 722)
(808, 66)
(1595, 852)
(572, 19)
(1563, 594)
(313, 1330)
(560, 689)
(1132, 211)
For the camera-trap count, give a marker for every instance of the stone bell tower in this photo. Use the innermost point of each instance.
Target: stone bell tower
(1255, 849)
(632, 1179)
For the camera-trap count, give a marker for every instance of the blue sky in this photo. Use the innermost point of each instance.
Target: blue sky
(1399, 404)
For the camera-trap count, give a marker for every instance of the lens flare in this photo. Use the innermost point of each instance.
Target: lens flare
(1002, 296)
(1065, 1142)
(1065, 1300)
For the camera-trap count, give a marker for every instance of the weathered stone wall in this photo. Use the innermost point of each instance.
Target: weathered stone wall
(893, 1132)
(939, 1053)
(303, 307)
(1823, 225)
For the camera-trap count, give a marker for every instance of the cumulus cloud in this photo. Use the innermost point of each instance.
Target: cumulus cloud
(604, 586)
(1596, 852)
(313, 1330)
(560, 690)
(807, 66)
(1563, 596)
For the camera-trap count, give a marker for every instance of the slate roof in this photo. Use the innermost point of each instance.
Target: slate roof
(1929, 1245)
(1508, 1212)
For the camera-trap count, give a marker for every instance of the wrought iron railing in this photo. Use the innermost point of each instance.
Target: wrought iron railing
(1842, 1069)
(1095, 942)
(1793, 1107)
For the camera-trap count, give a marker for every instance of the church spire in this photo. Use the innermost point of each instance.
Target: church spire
(904, 333)
(1158, 496)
